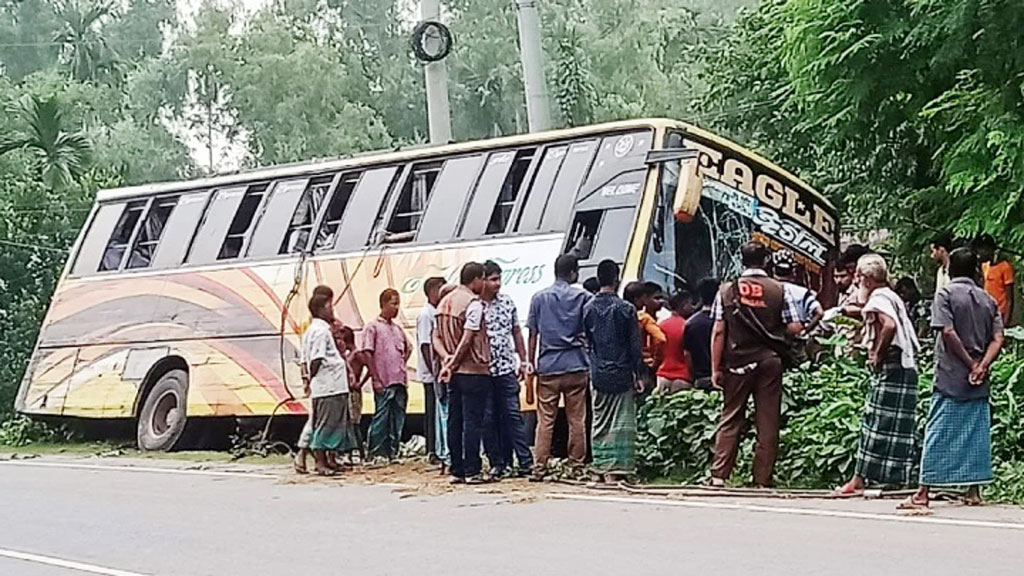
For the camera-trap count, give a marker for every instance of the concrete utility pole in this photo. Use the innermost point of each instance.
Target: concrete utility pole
(438, 111)
(538, 112)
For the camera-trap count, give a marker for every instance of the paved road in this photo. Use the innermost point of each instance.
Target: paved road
(137, 523)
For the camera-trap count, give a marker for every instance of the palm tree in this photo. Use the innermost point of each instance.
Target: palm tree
(62, 156)
(83, 47)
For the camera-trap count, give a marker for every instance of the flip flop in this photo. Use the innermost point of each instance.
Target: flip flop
(909, 503)
(844, 492)
(301, 470)
(326, 473)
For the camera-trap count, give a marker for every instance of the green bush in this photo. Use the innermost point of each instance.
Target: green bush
(821, 414)
(18, 431)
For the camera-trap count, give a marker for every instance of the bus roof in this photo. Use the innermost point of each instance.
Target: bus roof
(425, 151)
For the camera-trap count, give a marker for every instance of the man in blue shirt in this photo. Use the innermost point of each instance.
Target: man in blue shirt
(616, 365)
(556, 349)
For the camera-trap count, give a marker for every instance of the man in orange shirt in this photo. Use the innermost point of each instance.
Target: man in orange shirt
(997, 276)
(643, 297)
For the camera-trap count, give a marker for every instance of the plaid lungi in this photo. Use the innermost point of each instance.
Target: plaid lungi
(885, 454)
(957, 443)
(614, 433)
(332, 424)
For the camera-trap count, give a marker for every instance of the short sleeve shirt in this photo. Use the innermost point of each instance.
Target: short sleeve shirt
(318, 344)
(387, 341)
(501, 318)
(998, 278)
(973, 315)
(425, 323)
(790, 307)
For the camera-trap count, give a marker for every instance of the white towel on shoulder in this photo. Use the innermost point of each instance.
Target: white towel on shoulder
(885, 301)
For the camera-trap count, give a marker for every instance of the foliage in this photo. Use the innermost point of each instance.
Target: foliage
(21, 431)
(916, 104)
(676, 433)
(62, 156)
(821, 417)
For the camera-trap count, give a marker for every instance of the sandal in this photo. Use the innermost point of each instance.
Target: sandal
(912, 503)
(300, 469)
(846, 491)
(326, 473)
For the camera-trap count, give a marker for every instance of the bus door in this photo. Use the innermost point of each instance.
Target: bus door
(604, 213)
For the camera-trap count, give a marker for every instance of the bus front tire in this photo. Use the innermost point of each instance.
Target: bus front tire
(162, 418)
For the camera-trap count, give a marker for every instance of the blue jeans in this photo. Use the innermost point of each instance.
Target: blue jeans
(441, 396)
(506, 430)
(388, 420)
(468, 395)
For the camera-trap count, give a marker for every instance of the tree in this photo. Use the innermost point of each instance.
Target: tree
(914, 105)
(61, 156)
(84, 47)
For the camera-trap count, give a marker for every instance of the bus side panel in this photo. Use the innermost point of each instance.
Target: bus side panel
(226, 325)
(45, 384)
(527, 266)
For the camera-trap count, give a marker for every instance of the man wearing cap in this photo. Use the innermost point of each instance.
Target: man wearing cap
(809, 309)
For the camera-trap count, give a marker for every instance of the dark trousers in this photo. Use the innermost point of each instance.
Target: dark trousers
(765, 383)
(506, 430)
(468, 395)
(456, 463)
(429, 423)
(388, 420)
(475, 391)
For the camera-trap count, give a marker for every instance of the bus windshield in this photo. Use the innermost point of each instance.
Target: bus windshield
(741, 198)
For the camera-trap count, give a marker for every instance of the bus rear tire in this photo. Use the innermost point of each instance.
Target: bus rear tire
(162, 418)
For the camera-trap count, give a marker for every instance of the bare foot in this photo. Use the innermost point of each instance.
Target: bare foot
(852, 489)
(915, 502)
(973, 498)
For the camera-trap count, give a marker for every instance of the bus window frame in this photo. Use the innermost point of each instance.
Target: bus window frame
(271, 194)
(318, 224)
(513, 218)
(314, 229)
(154, 201)
(215, 195)
(85, 239)
(148, 203)
(396, 173)
(467, 198)
(257, 216)
(182, 261)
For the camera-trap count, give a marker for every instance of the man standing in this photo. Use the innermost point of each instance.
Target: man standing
(886, 451)
(784, 270)
(643, 297)
(613, 340)
(942, 245)
(387, 350)
(997, 276)
(556, 329)
(845, 276)
(957, 438)
(675, 374)
(435, 410)
(506, 431)
(697, 334)
(753, 317)
(327, 386)
(468, 379)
